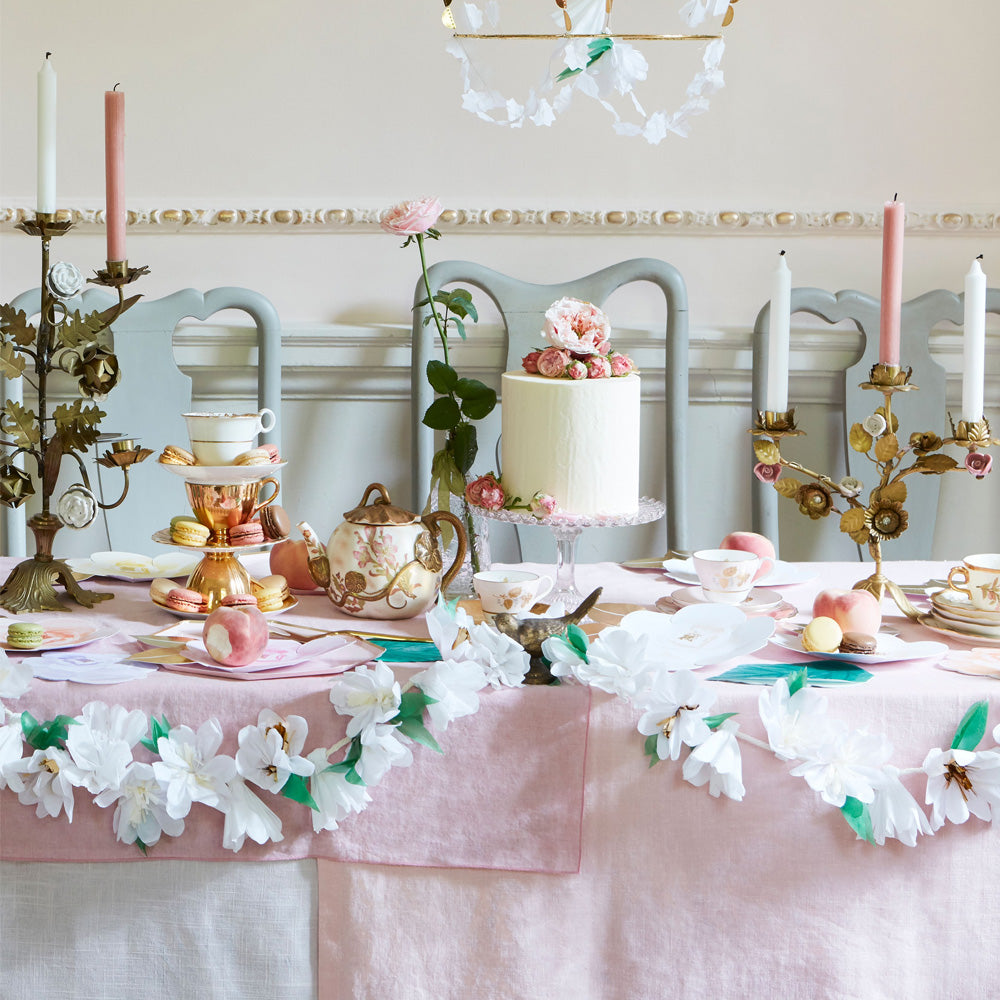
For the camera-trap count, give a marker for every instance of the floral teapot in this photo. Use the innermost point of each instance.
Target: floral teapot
(383, 561)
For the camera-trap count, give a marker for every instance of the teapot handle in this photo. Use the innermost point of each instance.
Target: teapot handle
(444, 515)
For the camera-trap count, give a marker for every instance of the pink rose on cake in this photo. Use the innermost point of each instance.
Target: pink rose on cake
(621, 364)
(552, 362)
(577, 370)
(530, 362)
(579, 327)
(543, 504)
(485, 492)
(598, 368)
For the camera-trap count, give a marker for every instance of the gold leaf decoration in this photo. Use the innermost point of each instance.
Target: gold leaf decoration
(20, 424)
(895, 419)
(11, 362)
(728, 19)
(886, 448)
(935, 464)
(77, 425)
(894, 492)
(853, 523)
(767, 452)
(787, 487)
(14, 324)
(859, 439)
(76, 329)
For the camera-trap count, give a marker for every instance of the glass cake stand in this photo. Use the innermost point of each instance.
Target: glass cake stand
(566, 528)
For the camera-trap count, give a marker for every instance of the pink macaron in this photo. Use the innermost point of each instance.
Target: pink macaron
(250, 533)
(239, 601)
(272, 451)
(188, 601)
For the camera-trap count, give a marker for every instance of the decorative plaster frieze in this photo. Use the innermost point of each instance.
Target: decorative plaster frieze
(536, 221)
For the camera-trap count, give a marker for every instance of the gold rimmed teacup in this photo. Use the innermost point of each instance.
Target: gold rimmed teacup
(222, 506)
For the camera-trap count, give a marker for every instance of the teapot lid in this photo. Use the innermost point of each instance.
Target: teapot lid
(381, 511)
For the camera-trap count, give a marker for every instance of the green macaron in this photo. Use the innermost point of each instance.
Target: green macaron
(24, 635)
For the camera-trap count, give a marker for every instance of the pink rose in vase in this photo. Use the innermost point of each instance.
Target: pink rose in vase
(485, 492)
(552, 362)
(530, 362)
(409, 218)
(577, 326)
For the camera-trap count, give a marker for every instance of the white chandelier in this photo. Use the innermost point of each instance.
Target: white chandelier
(589, 59)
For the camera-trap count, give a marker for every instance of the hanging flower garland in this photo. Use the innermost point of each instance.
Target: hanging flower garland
(44, 763)
(599, 65)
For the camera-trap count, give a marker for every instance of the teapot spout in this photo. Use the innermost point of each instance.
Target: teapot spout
(319, 564)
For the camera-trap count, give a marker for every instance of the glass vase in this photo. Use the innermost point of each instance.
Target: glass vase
(477, 556)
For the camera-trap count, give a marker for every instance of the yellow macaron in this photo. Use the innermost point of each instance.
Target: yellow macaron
(185, 531)
(271, 592)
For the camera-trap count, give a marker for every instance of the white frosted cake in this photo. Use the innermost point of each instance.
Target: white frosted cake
(577, 440)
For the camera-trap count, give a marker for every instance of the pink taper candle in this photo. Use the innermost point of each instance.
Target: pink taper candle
(892, 281)
(114, 163)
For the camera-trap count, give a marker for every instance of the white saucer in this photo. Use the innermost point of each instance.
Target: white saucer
(222, 475)
(782, 574)
(957, 605)
(758, 599)
(888, 649)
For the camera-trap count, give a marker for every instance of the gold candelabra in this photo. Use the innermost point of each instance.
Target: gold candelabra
(882, 517)
(68, 342)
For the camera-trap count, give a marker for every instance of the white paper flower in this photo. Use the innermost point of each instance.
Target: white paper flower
(675, 711)
(190, 770)
(41, 780)
(502, 659)
(15, 677)
(11, 748)
(381, 749)
(454, 685)
(895, 812)
(695, 11)
(564, 660)
(796, 724)
(247, 816)
(141, 812)
(848, 765)
(101, 745)
(617, 662)
(370, 695)
(336, 797)
(719, 762)
(448, 627)
(269, 752)
(961, 783)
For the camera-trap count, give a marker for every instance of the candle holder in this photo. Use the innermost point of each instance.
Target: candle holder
(72, 343)
(882, 517)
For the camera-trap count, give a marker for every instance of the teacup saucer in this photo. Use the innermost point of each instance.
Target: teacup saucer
(957, 605)
(758, 600)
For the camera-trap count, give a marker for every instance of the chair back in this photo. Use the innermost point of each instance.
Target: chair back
(147, 404)
(522, 306)
(923, 409)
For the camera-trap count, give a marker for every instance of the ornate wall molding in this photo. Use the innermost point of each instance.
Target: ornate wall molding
(533, 221)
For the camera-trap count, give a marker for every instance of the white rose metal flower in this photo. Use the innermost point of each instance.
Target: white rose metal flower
(675, 712)
(42, 780)
(190, 770)
(962, 783)
(141, 812)
(370, 695)
(336, 797)
(875, 424)
(65, 279)
(77, 507)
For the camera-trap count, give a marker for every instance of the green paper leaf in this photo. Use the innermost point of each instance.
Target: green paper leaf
(157, 728)
(714, 721)
(296, 789)
(464, 447)
(822, 673)
(42, 735)
(858, 818)
(650, 750)
(442, 377)
(353, 778)
(407, 651)
(443, 414)
(797, 680)
(411, 705)
(415, 729)
(142, 847)
(577, 639)
(972, 727)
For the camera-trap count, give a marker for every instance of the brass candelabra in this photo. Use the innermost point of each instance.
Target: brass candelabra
(72, 343)
(882, 517)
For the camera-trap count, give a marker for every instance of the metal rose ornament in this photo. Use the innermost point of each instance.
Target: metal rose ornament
(65, 280)
(382, 561)
(98, 374)
(15, 486)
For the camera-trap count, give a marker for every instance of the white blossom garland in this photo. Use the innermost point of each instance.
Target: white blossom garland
(45, 763)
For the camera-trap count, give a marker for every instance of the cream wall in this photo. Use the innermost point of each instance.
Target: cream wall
(328, 112)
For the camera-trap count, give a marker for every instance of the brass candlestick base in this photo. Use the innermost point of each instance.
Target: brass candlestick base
(218, 575)
(31, 584)
(880, 585)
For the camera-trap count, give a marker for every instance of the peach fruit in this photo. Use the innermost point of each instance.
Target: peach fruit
(750, 541)
(291, 560)
(852, 610)
(235, 636)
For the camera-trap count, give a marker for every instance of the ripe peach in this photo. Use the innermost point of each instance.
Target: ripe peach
(291, 560)
(749, 541)
(235, 636)
(852, 610)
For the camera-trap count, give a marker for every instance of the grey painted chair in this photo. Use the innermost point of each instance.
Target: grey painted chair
(148, 402)
(917, 411)
(522, 306)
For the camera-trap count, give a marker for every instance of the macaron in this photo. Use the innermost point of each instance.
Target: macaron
(159, 589)
(275, 522)
(172, 455)
(858, 643)
(271, 592)
(182, 599)
(255, 456)
(250, 533)
(239, 601)
(24, 635)
(272, 451)
(822, 635)
(186, 531)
